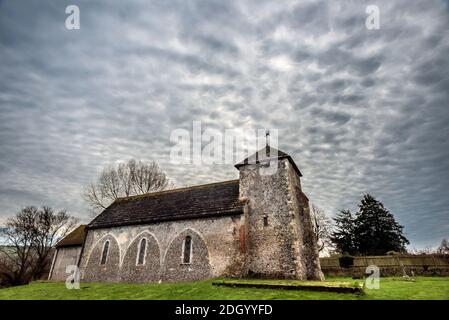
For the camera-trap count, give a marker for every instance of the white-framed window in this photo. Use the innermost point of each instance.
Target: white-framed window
(187, 250)
(142, 252)
(104, 254)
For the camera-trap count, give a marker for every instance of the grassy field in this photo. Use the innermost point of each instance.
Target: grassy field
(390, 288)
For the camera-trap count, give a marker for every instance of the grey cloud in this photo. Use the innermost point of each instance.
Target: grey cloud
(338, 117)
(359, 110)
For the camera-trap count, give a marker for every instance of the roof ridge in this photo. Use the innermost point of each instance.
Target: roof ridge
(150, 194)
(279, 155)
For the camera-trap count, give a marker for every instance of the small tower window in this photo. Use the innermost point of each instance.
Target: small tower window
(187, 248)
(104, 254)
(142, 251)
(265, 220)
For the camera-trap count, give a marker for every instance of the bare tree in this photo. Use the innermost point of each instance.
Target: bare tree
(127, 179)
(426, 250)
(322, 227)
(16, 252)
(27, 241)
(50, 227)
(444, 247)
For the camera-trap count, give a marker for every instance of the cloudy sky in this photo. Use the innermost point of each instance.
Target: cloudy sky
(359, 110)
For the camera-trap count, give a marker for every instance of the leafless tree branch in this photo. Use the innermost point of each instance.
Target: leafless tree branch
(322, 227)
(27, 240)
(127, 179)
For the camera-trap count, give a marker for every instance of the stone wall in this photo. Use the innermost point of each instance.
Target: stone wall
(150, 270)
(278, 225)
(64, 256)
(269, 236)
(216, 251)
(306, 247)
(394, 265)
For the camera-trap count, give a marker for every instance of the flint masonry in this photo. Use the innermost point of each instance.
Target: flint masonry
(258, 225)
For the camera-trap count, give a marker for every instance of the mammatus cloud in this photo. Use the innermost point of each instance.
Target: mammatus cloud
(359, 110)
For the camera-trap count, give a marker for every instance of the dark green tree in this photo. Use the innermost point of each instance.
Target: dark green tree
(343, 235)
(375, 230)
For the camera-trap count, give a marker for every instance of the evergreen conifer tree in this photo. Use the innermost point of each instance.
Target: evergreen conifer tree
(375, 230)
(343, 235)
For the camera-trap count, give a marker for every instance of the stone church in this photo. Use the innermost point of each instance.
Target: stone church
(256, 226)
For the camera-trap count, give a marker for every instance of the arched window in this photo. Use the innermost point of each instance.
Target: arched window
(104, 254)
(142, 251)
(265, 220)
(187, 248)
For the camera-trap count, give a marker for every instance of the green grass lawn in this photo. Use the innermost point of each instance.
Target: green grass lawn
(390, 288)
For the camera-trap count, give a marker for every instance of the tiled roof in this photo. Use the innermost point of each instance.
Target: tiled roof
(265, 154)
(210, 200)
(74, 238)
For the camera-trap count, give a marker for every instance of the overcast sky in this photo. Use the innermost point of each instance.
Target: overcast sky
(360, 111)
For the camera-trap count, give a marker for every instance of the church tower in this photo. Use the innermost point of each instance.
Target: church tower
(279, 241)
